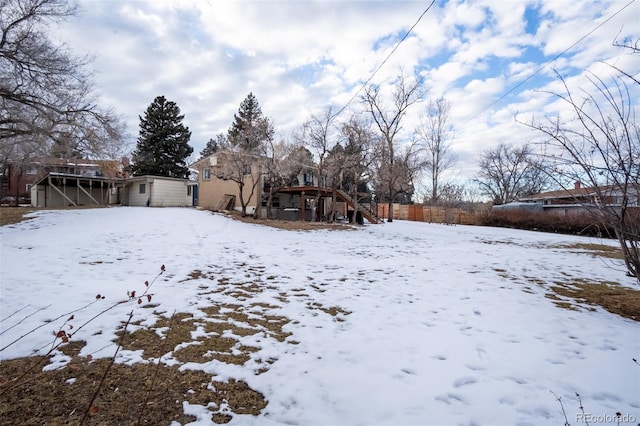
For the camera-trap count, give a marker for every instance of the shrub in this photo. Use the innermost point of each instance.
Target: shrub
(575, 223)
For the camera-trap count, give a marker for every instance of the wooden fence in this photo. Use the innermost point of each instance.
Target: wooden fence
(422, 213)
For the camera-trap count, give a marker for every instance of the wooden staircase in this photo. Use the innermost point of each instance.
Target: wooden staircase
(368, 214)
(227, 202)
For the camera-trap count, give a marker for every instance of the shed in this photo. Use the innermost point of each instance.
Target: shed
(56, 190)
(157, 191)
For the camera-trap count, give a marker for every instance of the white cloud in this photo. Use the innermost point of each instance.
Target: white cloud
(300, 56)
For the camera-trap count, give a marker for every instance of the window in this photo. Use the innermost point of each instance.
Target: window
(308, 179)
(29, 187)
(143, 188)
(246, 169)
(275, 202)
(31, 170)
(189, 190)
(206, 174)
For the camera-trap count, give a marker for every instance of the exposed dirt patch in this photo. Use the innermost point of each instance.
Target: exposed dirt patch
(151, 393)
(601, 250)
(613, 297)
(10, 215)
(574, 293)
(291, 225)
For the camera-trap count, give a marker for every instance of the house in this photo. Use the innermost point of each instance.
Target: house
(158, 191)
(215, 193)
(579, 198)
(55, 183)
(295, 201)
(56, 189)
(17, 179)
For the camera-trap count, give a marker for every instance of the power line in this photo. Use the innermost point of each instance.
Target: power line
(385, 60)
(536, 72)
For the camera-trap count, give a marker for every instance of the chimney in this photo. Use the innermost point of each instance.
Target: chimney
(576, 185)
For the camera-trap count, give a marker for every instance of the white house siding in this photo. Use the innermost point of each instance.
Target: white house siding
(169, 193)
(135, 197)
(159, 192)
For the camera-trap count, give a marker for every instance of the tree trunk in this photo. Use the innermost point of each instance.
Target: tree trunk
(630, 252)
(270, 204)
(354, 197)
(243, 204)
(17, 180)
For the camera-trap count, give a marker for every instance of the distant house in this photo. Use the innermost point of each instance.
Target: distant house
(17, 180)
(55, 183)
(295, 201)
(579, 198)
(55, 190)
(158, 191)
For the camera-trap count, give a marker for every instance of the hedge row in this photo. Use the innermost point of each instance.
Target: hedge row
(575, 224)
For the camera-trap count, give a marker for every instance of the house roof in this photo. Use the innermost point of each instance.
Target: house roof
(44, 179)
(562, 193)
(154, 177)
(574, 193)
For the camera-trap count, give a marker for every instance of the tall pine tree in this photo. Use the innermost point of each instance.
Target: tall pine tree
(250, 130)
(163, 145)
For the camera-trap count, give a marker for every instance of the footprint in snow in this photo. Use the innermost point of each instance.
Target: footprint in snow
(474, 367)
(506, 400)
(518, 380)
(451, 398)
(464, 381)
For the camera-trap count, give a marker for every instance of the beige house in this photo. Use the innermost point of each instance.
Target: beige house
(215, 193)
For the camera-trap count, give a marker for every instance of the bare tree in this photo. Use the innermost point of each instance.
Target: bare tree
(45, 92)
(360, 153)
(597, 141)
(388, 121)
(317, 135)
(508, 173)
(435, 134)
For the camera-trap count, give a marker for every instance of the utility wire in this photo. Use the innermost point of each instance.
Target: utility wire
(536, 72)
(384, 61)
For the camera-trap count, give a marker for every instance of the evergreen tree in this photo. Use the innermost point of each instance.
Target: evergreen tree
(249, 129)
(163, 144)
(213, 145)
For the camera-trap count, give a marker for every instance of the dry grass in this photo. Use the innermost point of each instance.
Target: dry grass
(150, 392)
(600, 250)
(11, 215)
(291, 225)
(613, 297)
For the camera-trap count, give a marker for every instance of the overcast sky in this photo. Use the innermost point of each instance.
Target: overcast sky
(300, 56)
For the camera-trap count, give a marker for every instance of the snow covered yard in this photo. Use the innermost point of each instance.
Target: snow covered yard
(395, 324)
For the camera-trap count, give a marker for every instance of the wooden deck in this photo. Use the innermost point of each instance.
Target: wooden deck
(314, 191)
